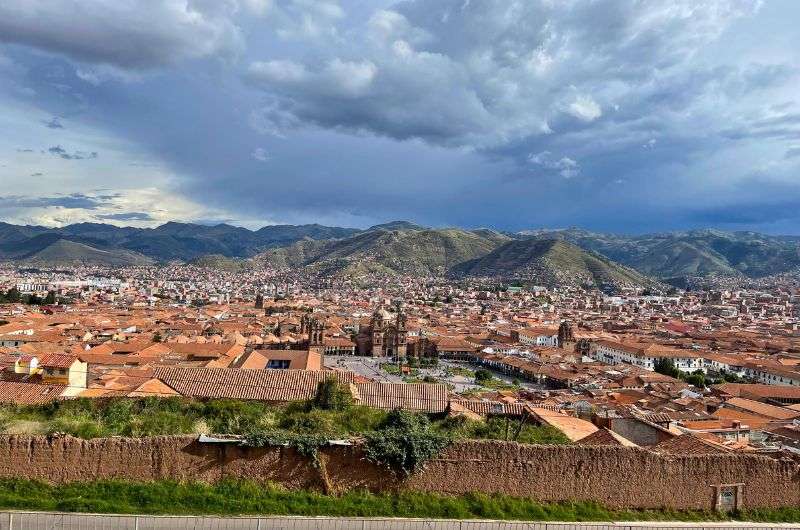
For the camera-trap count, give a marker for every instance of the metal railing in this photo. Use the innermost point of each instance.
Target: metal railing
(69, 521)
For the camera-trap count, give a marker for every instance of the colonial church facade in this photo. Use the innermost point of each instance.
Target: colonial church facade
(385, 336)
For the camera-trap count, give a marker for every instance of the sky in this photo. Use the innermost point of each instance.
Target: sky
(625, 116)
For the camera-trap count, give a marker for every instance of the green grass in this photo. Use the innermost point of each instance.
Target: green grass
(95, 418)
(239, 497)
(459, 370)
(391, 368)
(495, 429)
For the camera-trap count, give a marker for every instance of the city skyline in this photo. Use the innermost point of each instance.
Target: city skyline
(615, 117)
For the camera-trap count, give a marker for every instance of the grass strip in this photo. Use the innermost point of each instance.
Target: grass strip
(241, 497)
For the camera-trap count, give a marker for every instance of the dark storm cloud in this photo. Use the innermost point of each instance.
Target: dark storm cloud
(128, 216)
(53, 123)
(74, 201)
(747, 213)
(506, 113)
(60, 152)
(487, 72)
(122, 33)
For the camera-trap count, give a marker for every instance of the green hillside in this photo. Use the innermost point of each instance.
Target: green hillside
(551, 262)
(410, 251)
(65, 252)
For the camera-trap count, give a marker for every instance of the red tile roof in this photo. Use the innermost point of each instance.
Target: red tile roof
(56, 360)
(423, 397)
(258, 385)
(29, 393)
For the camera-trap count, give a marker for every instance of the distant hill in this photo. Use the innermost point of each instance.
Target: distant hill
(551, 262)
(65, 252)
(397, 225)
(219, 262)
(692, 253)
(170, 241)
(410, 251)
(402, 246)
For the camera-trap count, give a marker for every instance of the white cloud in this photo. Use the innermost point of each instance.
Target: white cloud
(279, 71)
(585, 108)
(260, 154)
(565, 167)
(143, 207)
(337, 78)
(308, 20)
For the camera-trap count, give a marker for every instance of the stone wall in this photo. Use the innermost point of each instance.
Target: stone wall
(613, 476)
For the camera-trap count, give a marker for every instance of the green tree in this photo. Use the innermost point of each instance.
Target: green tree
(696, 378)
(483, 376)
(50, 299)
(332, 396)
(666, 366)
(13, 295)
(33, 300)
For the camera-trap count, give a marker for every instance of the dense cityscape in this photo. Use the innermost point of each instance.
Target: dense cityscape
(704, 371)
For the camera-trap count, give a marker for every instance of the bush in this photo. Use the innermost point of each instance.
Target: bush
(332, 396)
(229, 416)
(404, 442)
(483, 376)
(494, 428)
(697, 379)
(665, 366)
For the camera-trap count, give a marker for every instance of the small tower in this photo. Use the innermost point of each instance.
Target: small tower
(316, 329)
(565, 336)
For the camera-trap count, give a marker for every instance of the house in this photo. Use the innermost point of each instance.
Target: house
(338, 346)
(26, 364)
(23, 393)
(64, 369)
(546, 337)
(280, 360)
(772, 375)
(724, 364)
(645, 355)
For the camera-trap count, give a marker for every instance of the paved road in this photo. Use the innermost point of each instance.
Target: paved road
(56, 521)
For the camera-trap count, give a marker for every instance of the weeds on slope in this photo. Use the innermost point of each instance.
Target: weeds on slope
(241, 497)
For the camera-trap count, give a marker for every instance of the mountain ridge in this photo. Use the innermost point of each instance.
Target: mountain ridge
(688, 253)
(551, 262)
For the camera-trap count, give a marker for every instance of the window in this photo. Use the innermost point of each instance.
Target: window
(279, 364)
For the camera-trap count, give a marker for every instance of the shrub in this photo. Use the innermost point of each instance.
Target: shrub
(332, 396)
(665, 366)
(404, 442)
(483, 376)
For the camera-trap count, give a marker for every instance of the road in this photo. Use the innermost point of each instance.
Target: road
(58, 521)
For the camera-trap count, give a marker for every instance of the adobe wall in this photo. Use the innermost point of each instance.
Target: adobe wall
(613, 476)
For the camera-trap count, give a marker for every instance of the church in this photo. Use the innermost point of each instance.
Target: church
(385, 336)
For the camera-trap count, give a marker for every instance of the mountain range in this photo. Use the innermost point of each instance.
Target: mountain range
(551, 262)
(408, 248)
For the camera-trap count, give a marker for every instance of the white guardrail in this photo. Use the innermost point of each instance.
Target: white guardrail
(18, 520)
